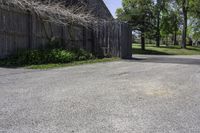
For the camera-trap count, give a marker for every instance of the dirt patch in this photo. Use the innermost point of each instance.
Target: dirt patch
(158, 92)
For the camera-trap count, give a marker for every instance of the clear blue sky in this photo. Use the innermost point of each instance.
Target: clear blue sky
(113, 5)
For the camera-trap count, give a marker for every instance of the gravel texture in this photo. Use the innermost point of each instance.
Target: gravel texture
(148, 94)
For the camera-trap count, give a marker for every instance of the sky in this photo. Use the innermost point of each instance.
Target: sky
(113, 5)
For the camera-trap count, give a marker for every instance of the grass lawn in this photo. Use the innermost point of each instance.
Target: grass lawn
(51, 66)
(166, 50)
(58, 65)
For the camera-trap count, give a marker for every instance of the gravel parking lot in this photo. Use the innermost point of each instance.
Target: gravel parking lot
(148, 94)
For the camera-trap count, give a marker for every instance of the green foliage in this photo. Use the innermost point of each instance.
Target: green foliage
(46, 56)
(138, 13)
(162, 18)
(169, 22)
(82, 54)
(194, 8)
(60, 56)
(195, 19)
(194, 28)
(58, 65)
(140, 16)
(119, 13)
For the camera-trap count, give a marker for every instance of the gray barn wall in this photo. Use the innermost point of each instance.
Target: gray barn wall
(22, 30)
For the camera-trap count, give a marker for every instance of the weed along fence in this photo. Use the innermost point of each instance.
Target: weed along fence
(23, 30)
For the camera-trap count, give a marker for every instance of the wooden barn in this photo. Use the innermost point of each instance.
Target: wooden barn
(22, 30)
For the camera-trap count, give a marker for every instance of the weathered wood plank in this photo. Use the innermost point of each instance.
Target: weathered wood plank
(22, 30)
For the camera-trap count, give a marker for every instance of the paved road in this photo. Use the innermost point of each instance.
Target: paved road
(148, 94)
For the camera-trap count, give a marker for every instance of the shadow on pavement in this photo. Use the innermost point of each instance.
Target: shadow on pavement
(171, 60)
(9, 66)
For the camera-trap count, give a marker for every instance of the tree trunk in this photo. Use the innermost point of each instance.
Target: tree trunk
(142, 41)
(158, 25)
(167, 41)
(175, 37)
(184, 33)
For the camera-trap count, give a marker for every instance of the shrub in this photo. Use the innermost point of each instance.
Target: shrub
(60, 56)
(47, 56)
(83, 55)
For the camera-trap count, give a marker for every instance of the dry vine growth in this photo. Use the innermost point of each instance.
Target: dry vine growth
(55, 12)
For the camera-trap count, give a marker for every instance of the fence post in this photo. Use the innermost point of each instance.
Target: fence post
(84, 38)
(62, 36)
(93, 41)
(30, 30)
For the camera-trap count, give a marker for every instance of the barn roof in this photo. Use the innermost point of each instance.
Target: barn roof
(98, 7)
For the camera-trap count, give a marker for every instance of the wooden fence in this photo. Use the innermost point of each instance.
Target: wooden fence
(22, 30)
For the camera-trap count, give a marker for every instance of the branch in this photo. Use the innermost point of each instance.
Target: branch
(56, 12)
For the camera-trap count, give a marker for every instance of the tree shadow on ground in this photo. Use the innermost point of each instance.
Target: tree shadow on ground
(165, 50)
(11, 67)
(169, 60)
(148, 52)
(170, 47)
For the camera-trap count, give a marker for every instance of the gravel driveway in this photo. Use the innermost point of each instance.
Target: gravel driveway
(148, 94)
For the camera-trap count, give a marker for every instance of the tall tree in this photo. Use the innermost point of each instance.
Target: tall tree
(170, 24)
(195, 14)
(160, 8)
(139, 14)
(175, 19)
(158, 11)
(184, 5)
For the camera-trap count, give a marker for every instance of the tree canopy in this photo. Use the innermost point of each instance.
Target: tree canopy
(159, 19)
(139, 14)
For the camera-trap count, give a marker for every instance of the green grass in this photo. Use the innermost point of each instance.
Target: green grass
(166, 50)
(75, 63)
